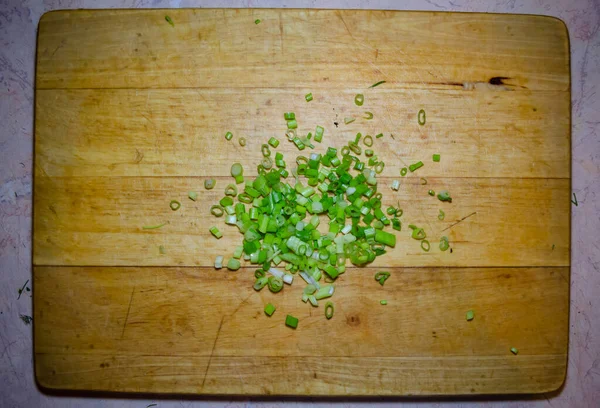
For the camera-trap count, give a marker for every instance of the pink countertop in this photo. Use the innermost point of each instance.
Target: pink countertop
(18, 26)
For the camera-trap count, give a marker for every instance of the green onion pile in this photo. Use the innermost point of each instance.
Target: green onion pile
(278, 213)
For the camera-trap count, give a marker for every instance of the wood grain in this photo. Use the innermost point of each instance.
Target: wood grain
(175, 133)
(206, 315)
(99, 220)
(131, 113)
(307, 48)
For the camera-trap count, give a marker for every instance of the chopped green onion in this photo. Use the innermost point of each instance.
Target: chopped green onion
(381, 277)
(313, 300)
(233, 264)
(329, 310)
(231, 190)
(242, 141)
(269, 309)
(403, 171)
(217, 210)
(216, 233)
(209, 184)
(444, 244)
(470, 315)
(415, 166)
(292, 124)
(289, 116)
(425, 246)
(431, 193)
(228, 135)
(308, 97)
(151, 227)
(368, 115)
(266, 152)
(175, 205)
(349, 120)
(237, 171)
(168, 20)
(383, 302)
(444, 196)
(260, 283)
(273, 142)
(257, 21)
(368, 141)
(417, 233)
(379, 135)
(514, 350)
(423, 181)
(436, 157)
(275, 284)
(385, 238)
(441, 215)
(359, 99)
(219, 262)
(192, 195)
(395, 185)
(377, 84)
(421, 117)
(319, 134)
(291, 321)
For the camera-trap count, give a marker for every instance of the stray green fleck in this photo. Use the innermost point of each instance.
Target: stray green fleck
(151, 227)
(414, 166)
(228, 135)
(379, 135)
(348, 120)
(403, 171)
(329, 310)
(436, 157)
(431, 193)
(168, 19)
(381, 277)
(269, 309)
(470, 315)
(514, 350)
(553, 247)
(359, 99)
(151, 405)
(162, 250)
(308, 97)
(377, 84)
(383, 302)
(26, 319)
(209, 184)
(425, 246)
(23, 288)
(574, 201)
(257, 21)
(441, 215)
(193, 195)
(291, 321)
(421, 117)
(368, 115)
(175, 205)
(444, 196)
(444, 243)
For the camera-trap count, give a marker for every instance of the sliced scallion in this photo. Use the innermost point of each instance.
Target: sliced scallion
(175, 205)
(329, 310)
(192, 195)
(444, 243)
(308, 97)
(377, 84)
(359, 99)
(151, 227)
(421, 117)
(216, 233)
(209, 184)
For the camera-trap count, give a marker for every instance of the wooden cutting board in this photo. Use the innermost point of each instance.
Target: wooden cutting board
(131, 113)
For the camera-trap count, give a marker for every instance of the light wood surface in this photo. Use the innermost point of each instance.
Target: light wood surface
(131, 113)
